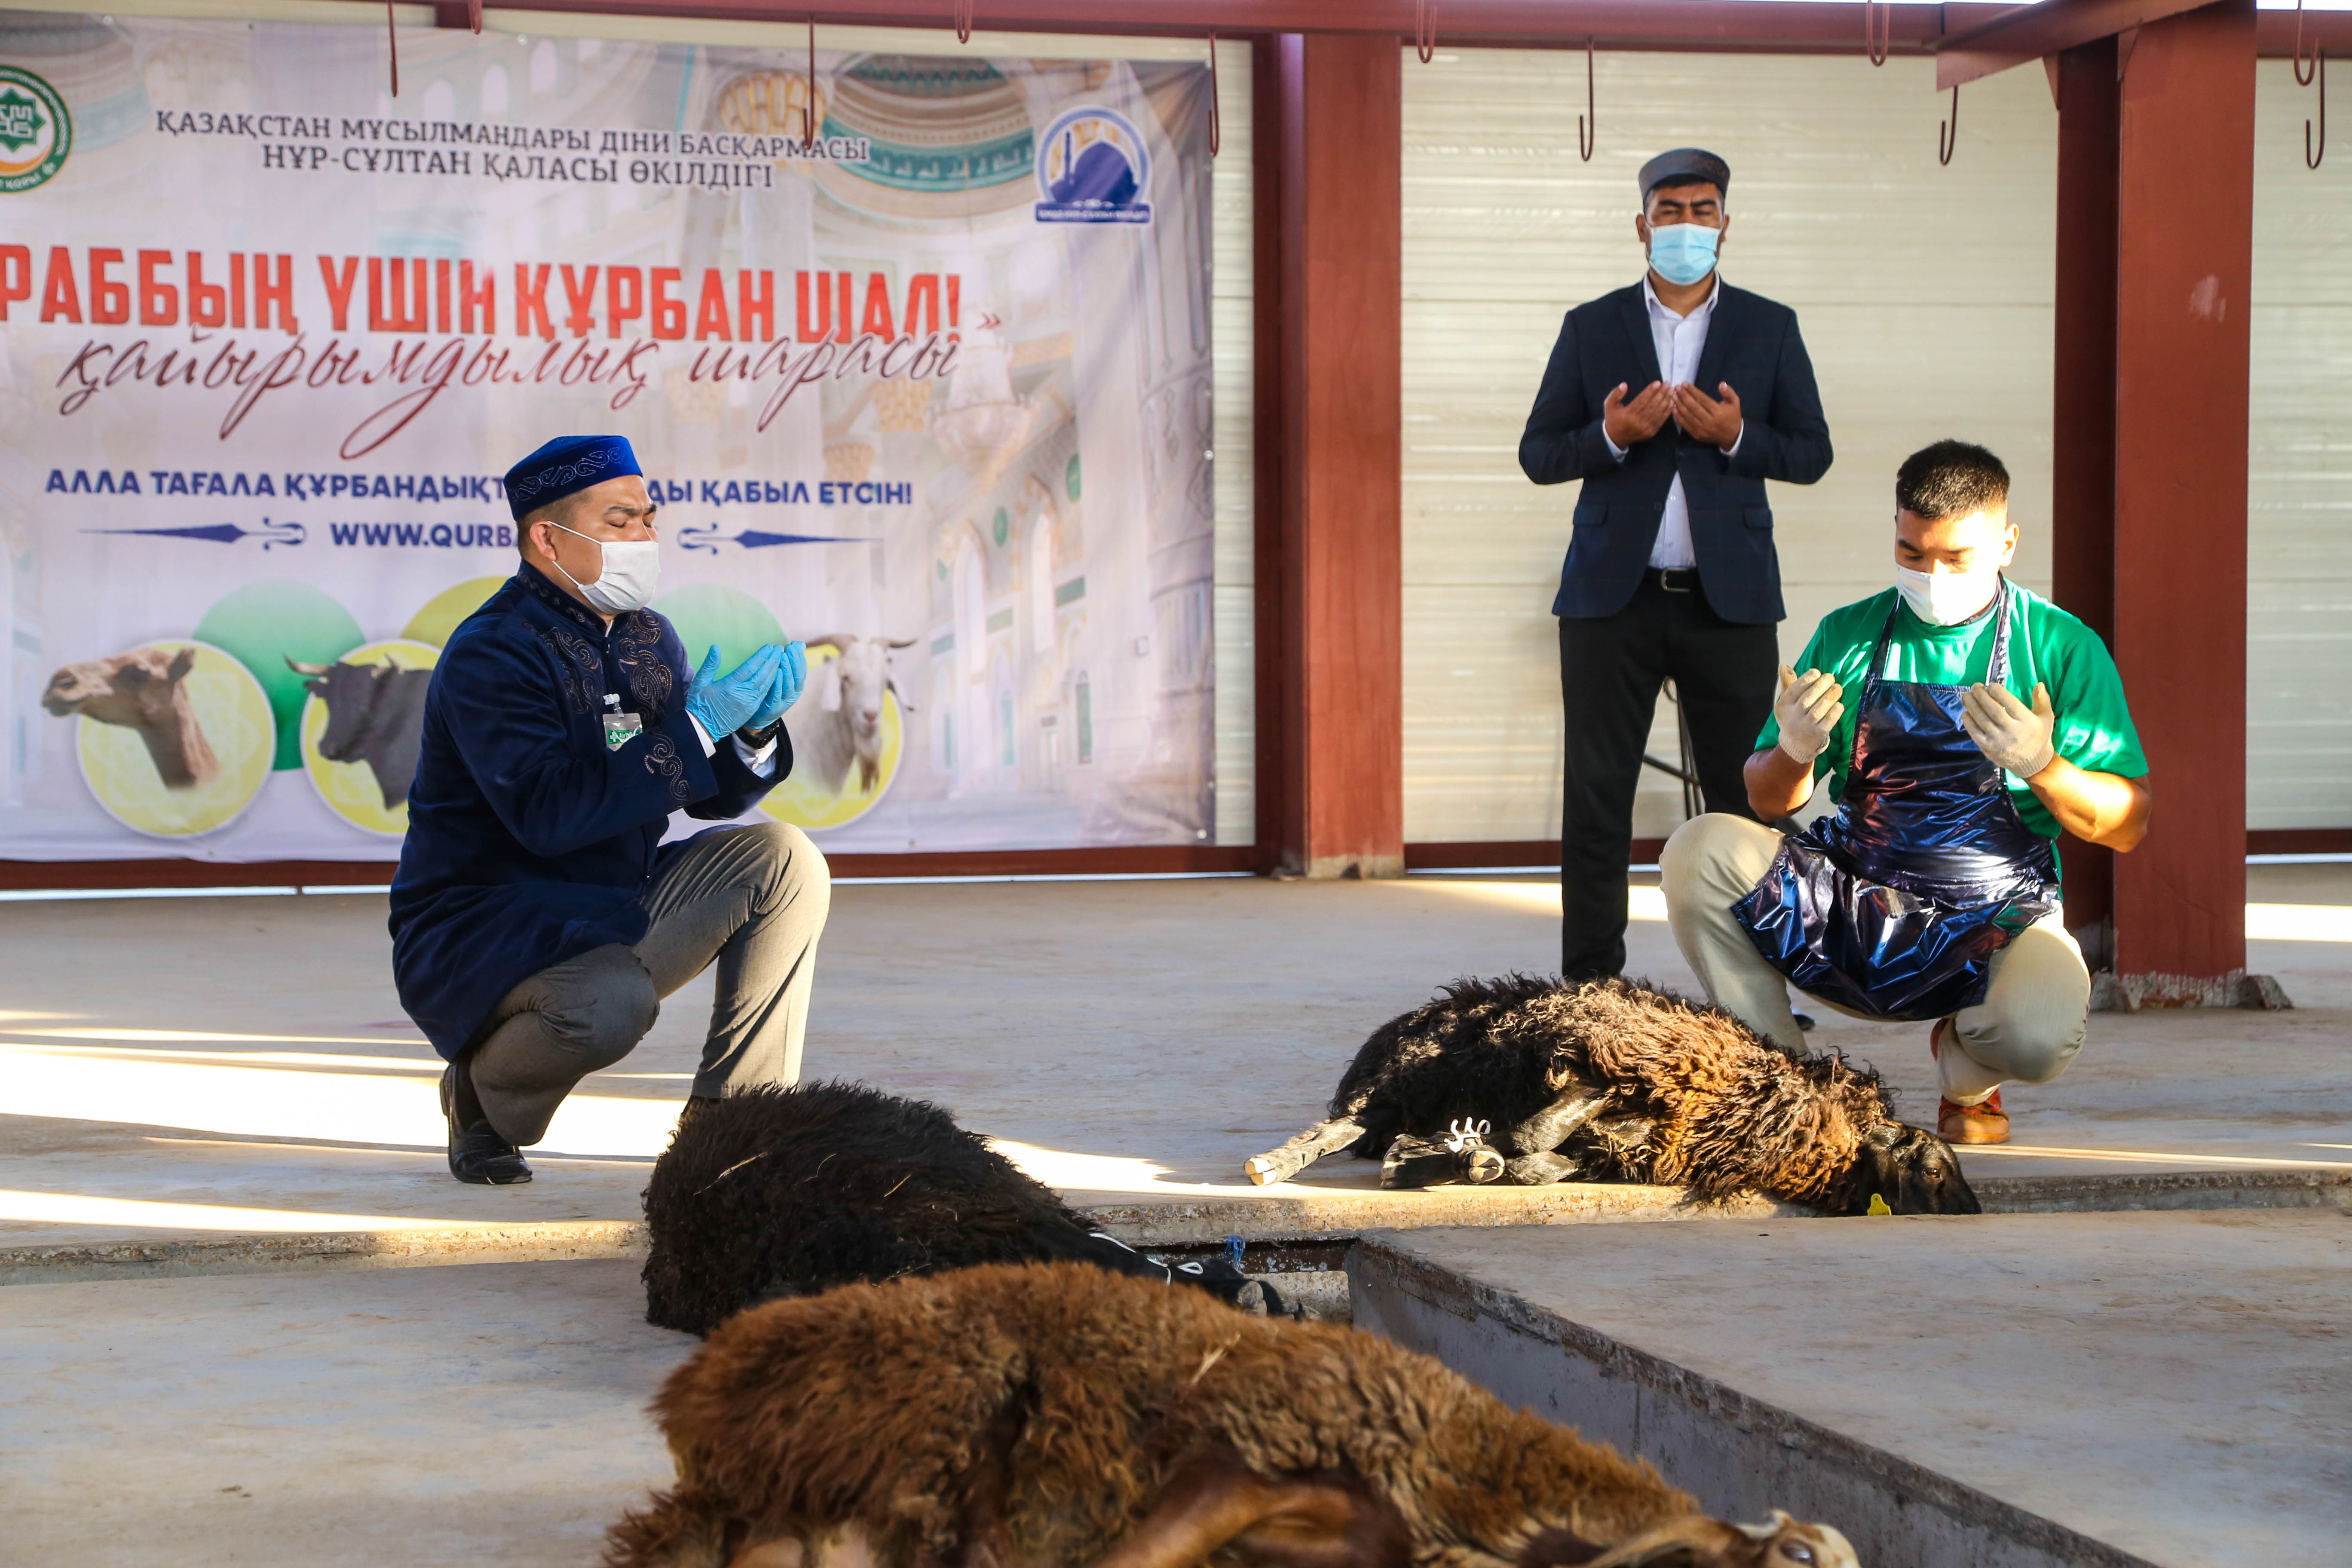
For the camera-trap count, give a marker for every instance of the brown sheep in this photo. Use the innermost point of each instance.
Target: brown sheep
(1615, 1082)
(1051, 1416)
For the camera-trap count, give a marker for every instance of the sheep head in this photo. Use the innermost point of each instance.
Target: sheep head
(861, 675)
(1695, 1542)
(1910, 1168)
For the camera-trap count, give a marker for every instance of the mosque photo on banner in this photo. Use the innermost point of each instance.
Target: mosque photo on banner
(914, 350)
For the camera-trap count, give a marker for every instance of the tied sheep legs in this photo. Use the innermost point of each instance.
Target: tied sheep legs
(1462, 1156)
(1323, 1138)
(1548, 1128)
(1533, 1141)
(1217, 1501)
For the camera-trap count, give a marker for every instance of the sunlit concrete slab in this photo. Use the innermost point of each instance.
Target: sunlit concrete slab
(240, 1067)
(2011, 1392)
(491, 1413)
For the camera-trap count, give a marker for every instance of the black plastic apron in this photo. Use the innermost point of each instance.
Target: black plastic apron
(1895, 905)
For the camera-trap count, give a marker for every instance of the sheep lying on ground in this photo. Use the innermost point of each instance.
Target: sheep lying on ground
(1051, 1417)
(1617, 1082)
(778, 1192)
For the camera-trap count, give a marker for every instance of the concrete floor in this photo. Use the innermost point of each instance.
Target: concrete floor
(2172, 1385)
(477, 1415)
(177, 1070)
(240, 1066)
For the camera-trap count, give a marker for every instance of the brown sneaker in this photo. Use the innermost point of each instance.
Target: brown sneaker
(1983, 1123)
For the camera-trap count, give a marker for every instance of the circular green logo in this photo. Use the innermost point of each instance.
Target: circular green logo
(36, 131)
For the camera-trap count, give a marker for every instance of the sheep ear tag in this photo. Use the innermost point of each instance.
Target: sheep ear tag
(1878, 1204)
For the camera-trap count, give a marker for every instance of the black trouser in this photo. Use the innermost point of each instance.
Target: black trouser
(1609, 671)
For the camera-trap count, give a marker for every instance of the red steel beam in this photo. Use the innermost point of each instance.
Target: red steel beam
(2184, 267)
(1136, 860)
(1792, 25)
(1341, 438)
(2083, 412)
(1280, 827)
(1731, 27)
(2049, 29)
(2030, 32)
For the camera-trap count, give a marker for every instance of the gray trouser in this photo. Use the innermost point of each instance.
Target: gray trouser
(754, 899)
(2028, 1027)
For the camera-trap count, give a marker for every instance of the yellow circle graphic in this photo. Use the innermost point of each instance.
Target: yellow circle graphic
(807, 799)
(185, 707)
(442, 613)
(382, 748)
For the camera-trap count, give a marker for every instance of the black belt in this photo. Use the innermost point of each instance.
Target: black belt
(1675, 579)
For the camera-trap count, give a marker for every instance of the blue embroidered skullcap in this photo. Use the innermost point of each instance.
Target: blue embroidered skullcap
(566, 464)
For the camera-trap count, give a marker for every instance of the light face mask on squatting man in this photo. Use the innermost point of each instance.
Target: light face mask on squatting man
(1948, 598)
(631, 572)
(1683, 252)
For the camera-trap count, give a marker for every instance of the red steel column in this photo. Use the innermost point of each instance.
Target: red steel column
(2183, 265)
(2083, 413)
(1341, 811)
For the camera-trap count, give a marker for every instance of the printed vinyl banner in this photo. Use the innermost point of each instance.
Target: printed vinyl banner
(915, 354)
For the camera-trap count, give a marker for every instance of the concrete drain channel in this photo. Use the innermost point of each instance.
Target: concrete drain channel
(2003, 1391)
(2105, 1371)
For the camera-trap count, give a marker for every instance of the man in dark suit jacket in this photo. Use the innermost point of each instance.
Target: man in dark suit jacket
(1673, 400)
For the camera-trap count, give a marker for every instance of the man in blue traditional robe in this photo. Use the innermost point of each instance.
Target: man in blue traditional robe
(537, 917)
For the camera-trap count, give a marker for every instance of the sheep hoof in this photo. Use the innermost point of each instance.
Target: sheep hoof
(1264, 1170)
(1481, 1165)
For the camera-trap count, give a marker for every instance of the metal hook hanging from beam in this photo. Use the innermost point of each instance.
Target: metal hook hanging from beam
(1216, 116)
(392, 34)
(2306, 72)
(474, 16)
(1877, 29)
(1585, 139)
(1424, 29)
(808, 105)
(963, 21)
(1947, 134)
(2311, 160)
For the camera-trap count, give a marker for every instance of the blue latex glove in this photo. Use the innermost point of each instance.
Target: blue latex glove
(725, 703)
(791, 675)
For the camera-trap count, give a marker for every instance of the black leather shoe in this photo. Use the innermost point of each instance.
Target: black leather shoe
(477, 1152)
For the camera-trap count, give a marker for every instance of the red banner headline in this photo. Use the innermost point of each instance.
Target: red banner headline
(114, 285)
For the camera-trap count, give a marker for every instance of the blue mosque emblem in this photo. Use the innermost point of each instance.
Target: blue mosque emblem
(1092, 168)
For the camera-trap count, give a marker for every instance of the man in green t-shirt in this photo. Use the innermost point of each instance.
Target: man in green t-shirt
(1961, 721)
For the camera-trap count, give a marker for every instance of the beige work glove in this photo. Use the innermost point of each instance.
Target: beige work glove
(1807, 709)
(2006, 730)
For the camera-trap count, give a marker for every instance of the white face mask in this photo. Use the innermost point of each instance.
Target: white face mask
(631, 572)
(1946, 598)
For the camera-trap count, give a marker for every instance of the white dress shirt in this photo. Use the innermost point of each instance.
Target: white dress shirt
(1680, 341)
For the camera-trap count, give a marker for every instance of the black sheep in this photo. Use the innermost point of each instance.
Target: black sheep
(1610, 1080)
(787, 1191)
